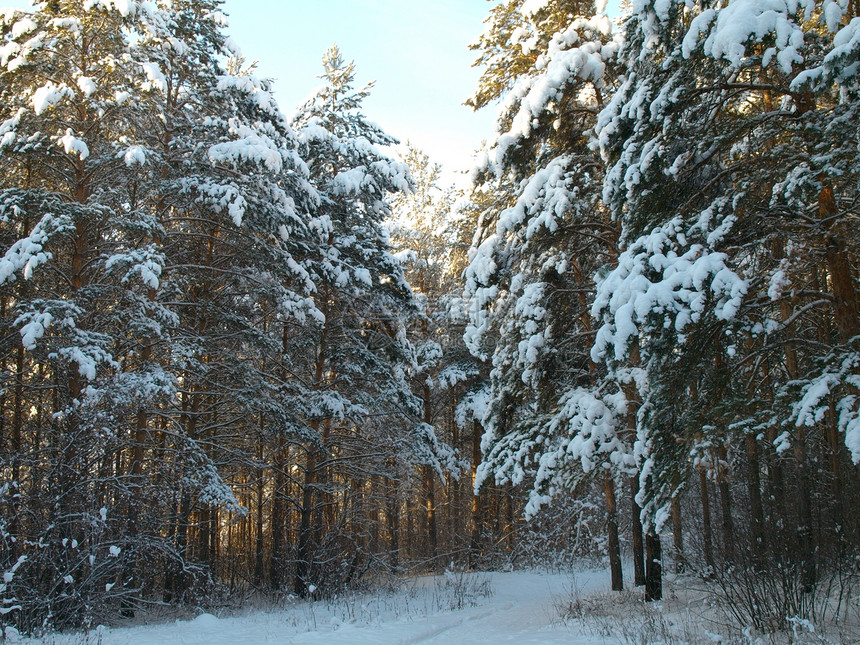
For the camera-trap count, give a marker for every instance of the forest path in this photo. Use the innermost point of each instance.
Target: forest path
(522, 608)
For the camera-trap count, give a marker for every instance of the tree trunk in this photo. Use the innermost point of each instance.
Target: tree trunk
(430, 513)
(638, 543)
(258, 537)
(634, 401)
(653, 567)
(429, 487)
(301, 582)
(373, 512)
(203, 550)
(409, 538)
(278, 524)
(835, 447)
(612, 533)
(15, 449)
(726, 506)
(754, 489)
(392, 516)
(477, 512)
(775, 485)
(845, 303)
(678, 536)
(179, 579)
(214, 541)
(707, 534)
(807, 549)
(509, 519)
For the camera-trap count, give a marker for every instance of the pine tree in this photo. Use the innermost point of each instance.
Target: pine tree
(552, 418)
(724, 163)
(135, 171)
(360, 358)
(427, 231)
(235, 219)
(86, 255)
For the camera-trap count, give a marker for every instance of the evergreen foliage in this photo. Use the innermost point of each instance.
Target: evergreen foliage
(242, 353)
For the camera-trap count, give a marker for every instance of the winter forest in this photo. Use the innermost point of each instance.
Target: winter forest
(246, 357)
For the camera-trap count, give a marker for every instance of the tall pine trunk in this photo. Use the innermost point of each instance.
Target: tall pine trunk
(477, 498)
(726, 505)
(430, 487)
(392, 517)
(707, 531)
(806, 541)
(678, 536)
(754, 491)
(845, 301)
(653, 566)
(301, 583)
(430, 513)
(278, 526)
(638, 542)
(259, 538)
(613, 543)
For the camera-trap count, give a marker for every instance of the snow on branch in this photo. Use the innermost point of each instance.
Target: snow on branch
(145, 263)
(742, 23)
(577, 56)
(662, 281)
(28, 253)
(840, 379)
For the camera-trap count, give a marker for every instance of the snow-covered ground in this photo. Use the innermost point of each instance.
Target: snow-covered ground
(523, 607)
(515, 607)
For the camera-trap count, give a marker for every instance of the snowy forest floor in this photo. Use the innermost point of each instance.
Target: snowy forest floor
(530, 608)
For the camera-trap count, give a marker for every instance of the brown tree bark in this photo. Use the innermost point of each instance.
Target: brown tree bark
(15, 448)
(203, 547)
(430, 487)
(301, 583)
(638, 541)
(804, 499)
(430, 513)
(179, 581)
(775, 483)
(613, 543)
(509, 518)
(835, 449)
(678, 536)
(278, 526)
(259, 538)
(653, 567)
(477, 505)
(707, 532)
(392, 517)
(726, 506)
(754, 491)
(845, 301)
(809, 567)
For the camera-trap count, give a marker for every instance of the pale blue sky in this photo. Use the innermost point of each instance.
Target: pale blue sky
(415, 50)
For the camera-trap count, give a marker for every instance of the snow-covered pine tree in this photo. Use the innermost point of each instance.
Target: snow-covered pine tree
(238, 226)
(235, 219)
(552, 418)
(357, 356)
(426, 231)
(135, 171)
(81, 256)
(728, 177)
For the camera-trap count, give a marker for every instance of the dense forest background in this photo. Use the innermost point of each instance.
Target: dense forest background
(243, 354)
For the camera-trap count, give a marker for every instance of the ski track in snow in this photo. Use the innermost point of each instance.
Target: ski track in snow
(522, 609)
